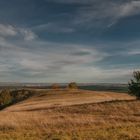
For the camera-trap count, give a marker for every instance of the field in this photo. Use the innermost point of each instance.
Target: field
(72, 115)
(106, 87)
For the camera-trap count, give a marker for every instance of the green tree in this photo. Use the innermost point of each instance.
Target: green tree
(72, 85)
(134, 84)
(5, 97)
(55, 86)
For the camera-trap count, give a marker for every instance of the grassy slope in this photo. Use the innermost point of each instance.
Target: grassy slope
(63, 115)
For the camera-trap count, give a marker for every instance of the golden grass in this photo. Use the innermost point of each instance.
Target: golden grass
(43, 99)
(114, 120)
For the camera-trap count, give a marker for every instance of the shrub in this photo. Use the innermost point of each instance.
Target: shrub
(55, 86)
(5, 97)
(10, 97)
(134, 84)
(72, 85)
(20, 94)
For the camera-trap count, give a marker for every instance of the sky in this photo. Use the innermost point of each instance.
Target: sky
(84, 41)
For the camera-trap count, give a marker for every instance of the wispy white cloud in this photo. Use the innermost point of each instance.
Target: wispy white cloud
(7, 30)
(130, 8)
(54, 28)
(16, 32)
(111, 11)
(27, 34)
(133, 52)
(41, 59)
(56, 62)
(93, 13)
(97, 74)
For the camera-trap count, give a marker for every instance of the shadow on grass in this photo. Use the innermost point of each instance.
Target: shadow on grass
(79, 105)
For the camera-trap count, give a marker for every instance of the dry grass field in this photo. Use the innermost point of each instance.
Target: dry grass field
(72, 115)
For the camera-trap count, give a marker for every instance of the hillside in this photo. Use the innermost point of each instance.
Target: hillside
(72, 115)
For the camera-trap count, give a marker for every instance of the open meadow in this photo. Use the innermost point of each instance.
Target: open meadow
(69, 69)
(72, 115)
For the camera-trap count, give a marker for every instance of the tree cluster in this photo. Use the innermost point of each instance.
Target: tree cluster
(8, 97)
(134, 84)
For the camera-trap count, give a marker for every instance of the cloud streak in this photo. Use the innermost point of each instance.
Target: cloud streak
(16, 32)
(39, 58)
(54, 28)
(93, 13)
(7, 30)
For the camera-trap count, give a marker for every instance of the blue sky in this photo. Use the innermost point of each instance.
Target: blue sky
(69, 40)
